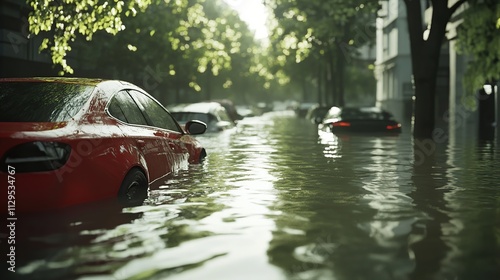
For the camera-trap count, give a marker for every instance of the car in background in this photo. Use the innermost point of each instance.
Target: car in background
(264, 107)
(359, 119)
(317, 113)
(246, 111)
(211, 113)
(68, 141)
(231, 110)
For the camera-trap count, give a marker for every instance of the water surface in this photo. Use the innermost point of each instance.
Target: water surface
(274, 200)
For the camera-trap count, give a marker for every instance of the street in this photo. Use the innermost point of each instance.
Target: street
(275, 201)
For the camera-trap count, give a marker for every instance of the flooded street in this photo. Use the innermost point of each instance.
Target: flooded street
(274, 200)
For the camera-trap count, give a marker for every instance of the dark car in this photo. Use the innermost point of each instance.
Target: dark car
(67, 141)
(359, 119)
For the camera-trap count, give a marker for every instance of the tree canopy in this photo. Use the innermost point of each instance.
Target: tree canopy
(323, 35)
(61, 21)
(182, 45)
(314, 43)
(479, 37)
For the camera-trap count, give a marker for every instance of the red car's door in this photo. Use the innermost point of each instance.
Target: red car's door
(168, 128)
(140, 135)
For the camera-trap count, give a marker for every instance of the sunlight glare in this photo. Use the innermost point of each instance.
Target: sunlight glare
(254, 13)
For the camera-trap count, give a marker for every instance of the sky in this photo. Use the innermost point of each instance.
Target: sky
(253, 13)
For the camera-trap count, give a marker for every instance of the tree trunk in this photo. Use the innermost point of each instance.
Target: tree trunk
(330, 78)
(319, 78)
(425, 60)
(208, 85)
(340, 66)
(305, 91)
(177, 90)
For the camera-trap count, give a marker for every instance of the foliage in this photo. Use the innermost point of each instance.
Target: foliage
(60, 21)
(309, 34)
(479, 36)
(199, 47)
(172, 44)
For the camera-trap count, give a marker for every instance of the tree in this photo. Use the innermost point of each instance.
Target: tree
(327, 31)
(59, 22)
(479, 37)
(425, 59)
(62, 22)
(163, 45)
(189, 53)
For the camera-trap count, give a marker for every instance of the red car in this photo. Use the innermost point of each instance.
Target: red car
(67, 141)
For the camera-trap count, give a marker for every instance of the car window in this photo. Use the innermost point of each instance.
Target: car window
(355, 114)
(41, 101)
(124, 108)
(387, 116)
(158, 116)
(116, 110)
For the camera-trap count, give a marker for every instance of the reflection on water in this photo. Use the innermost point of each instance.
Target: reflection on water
(276, 201)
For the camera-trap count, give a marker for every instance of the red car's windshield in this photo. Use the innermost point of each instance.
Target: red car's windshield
(40, 101)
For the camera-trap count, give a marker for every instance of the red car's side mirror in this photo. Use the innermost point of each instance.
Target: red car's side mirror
(195, 127)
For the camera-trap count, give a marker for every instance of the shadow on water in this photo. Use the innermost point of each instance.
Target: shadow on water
(426, 244)
(456, 190)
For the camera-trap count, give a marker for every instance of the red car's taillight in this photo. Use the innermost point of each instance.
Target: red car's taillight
(36, 156)
(343, 124)
(393, 126)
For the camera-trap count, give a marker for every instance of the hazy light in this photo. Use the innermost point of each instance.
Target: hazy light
(254, 13)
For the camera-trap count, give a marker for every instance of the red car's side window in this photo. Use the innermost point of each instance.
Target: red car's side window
(157, 115)
(124, 108)
(116, 110)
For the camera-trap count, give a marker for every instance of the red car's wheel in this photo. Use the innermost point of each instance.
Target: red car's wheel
(134, 188)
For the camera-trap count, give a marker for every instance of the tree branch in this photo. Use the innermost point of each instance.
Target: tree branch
(455, 6)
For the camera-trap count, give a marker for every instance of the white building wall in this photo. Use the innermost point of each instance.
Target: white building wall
(393, 63)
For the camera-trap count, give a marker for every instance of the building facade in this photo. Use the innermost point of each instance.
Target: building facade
(393, 69)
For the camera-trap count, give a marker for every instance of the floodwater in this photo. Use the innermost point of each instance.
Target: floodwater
(276, 201)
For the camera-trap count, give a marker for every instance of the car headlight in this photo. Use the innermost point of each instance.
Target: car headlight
(37, 156)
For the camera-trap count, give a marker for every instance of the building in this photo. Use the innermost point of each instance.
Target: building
(19, 55)
(393, 70)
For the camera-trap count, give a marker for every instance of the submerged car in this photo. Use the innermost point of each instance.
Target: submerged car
(359, 119)
(67, 141)
(211, 113)
(230, 109)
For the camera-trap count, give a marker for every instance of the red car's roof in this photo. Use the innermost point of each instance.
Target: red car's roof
(82, 81)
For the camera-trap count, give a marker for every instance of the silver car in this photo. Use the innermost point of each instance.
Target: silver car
(211, 113)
